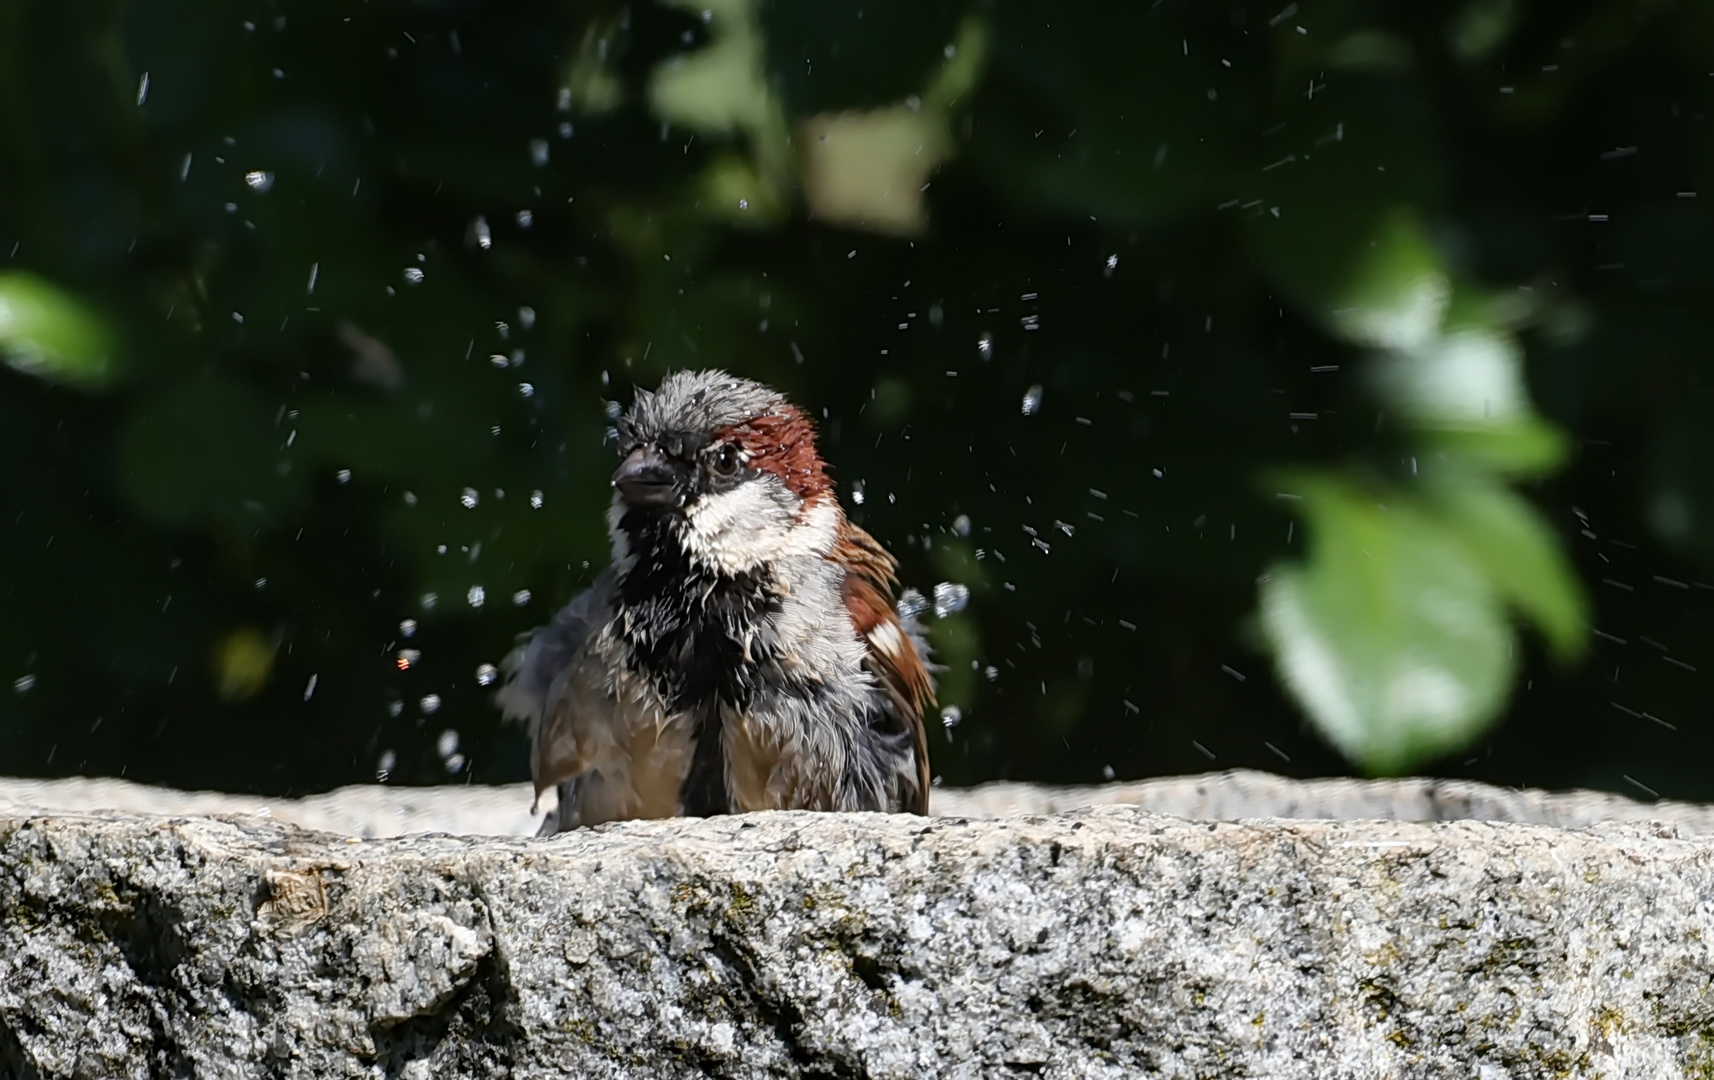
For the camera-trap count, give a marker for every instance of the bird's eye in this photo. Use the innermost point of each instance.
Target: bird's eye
(726, 460)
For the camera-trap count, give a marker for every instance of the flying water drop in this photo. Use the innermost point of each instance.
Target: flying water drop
(950, 598)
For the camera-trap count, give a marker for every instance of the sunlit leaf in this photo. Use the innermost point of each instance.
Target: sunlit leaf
(243, 662)
(867, 169)
(1391, 636)
(46, 332)
(1463, 392)
(1522, 446)
(1509, 542)
(1395, 291)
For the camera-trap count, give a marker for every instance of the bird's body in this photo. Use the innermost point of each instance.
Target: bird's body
(742, 651)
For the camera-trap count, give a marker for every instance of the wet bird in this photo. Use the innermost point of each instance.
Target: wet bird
(743, 651)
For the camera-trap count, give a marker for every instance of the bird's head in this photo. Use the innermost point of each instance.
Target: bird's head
(728, 468)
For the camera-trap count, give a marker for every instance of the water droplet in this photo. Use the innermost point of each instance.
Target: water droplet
(447, 744)
(525, 219)
(857, 493)
(526, 317)
(429, 600)
(388, 762)
(469, 498)
(455, 763)
(992, 673)
(535, 500)
(912, 604)
(143, 88)
(486, 674)
(499, 360)
(23, 683)
(260, 180)
(526, 389)
(1112, 265)
(1107, 772)
(481, 233)
(521, 597)
(951, 716)
(344, 476)
(410, 498)
(743, 204)
(407, 627)
(961, 525)
(394, 708)
(408, 658)
(309, 690)
(477, 596)
(950, 598)
(985, 346)
(429, 704)
(1032, 400)
(413, 275)
(261, 583)
(538, 152)
(1065, 527)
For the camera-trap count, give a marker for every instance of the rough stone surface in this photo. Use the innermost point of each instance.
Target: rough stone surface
(1106, 943)
(372, 810)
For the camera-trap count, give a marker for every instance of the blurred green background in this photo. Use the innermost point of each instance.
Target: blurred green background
(1318, 386)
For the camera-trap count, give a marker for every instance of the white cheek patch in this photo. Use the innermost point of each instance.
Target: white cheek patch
(758, 523)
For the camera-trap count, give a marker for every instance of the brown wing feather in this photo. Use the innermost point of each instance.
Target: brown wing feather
(871, 584)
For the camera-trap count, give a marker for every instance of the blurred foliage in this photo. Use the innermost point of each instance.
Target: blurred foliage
(1253, 366)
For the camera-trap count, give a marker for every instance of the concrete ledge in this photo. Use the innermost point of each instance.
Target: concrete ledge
(373, 810)
(1108, 942)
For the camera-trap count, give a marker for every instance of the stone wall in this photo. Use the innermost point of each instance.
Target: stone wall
(1102, 942)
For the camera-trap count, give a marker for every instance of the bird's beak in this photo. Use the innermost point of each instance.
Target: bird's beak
(646, 479)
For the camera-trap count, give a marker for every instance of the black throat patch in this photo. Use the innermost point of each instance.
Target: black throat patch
(687, 628)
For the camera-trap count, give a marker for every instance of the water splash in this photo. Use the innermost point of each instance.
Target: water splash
(950, 598)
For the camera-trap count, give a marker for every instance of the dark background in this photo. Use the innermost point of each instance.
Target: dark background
(238, 440)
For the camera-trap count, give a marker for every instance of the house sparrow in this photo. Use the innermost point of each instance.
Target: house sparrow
(742, 651)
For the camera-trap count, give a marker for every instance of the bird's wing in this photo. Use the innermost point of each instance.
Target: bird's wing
(535, 678)
(896, 651)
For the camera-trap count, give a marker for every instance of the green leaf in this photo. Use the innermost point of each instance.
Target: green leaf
(1392, 637)
(1522, 446)
(1505, 537)
(1463, 392)
(46, 332)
